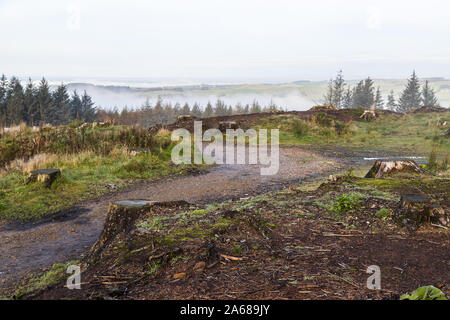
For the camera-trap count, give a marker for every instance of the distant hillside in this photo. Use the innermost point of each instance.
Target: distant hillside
(298, 95)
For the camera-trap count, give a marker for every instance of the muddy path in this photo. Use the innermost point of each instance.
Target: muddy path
(67, 235)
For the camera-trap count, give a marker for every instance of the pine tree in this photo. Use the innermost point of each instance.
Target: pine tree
(60, 106)
(255, 108)
(44, 99)
(379, 99)
(15, 105)
(338, 90)
(428, 96)
(88, 110)
(391, 103)
(363, 94)
(186, 109)
(328, 98)
(411, 96)
(220, 109)
(196, 111)
(75, 106)
(209, 111)
(3, 90)
(347, 103)
(31, 104)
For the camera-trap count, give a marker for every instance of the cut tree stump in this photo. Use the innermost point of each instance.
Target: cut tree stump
(46, 176)
(121, 220)
(417, 209)
(381, 168)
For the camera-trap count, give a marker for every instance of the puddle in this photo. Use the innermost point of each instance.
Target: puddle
(418, 159)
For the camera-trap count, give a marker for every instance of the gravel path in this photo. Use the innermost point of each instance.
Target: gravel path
(28, 248)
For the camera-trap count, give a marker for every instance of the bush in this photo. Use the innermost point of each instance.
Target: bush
(341, 128)
(324, 120)
(300, 128)
(346, 203)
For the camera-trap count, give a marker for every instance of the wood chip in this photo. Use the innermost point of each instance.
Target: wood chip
(179, 275)
(231, 258)
(329, 234)
(310, 286)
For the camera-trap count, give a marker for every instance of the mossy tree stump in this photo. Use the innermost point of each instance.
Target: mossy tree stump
(121, 218)
(46, 176)
(121, 221)
(382, 168)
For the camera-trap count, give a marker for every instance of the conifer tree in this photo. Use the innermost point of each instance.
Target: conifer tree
(60, 108)
(411, 97)
(379, 102)
(15, 105)
(196, 111)
(88, 110)
(31, 104)
(44, 99)
(428, 96)
(391, 103)
(209, 111)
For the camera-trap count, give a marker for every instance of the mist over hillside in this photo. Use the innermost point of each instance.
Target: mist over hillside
(299, 95)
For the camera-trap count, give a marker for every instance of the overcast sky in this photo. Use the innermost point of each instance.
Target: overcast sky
(230, 39)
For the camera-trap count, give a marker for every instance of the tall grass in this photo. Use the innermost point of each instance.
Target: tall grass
(68, 140)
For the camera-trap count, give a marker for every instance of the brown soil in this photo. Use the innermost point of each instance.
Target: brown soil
(289, 248)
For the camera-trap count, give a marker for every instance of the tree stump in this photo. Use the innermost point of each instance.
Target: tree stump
(381, 168)
(46, 176)
(121, 220)
(224, 125)
(416, 209)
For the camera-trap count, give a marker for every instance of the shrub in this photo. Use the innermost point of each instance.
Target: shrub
(300, 128)
(324, 120)
(346, 203)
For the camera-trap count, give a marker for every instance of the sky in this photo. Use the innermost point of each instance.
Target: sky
(229, 40)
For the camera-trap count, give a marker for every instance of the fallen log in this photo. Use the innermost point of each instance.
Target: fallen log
(381, 168)
(46, 176)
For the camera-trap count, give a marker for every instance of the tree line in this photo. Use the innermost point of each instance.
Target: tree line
(166, 112)
(364, 95)
(38, 105)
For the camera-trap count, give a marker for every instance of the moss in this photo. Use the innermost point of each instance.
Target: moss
(383, 213)
(51, 277)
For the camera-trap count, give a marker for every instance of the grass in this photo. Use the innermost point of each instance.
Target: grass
(85, 175)
(56, 273)
(416, 133)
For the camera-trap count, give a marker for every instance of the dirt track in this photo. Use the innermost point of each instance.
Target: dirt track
(28, 248)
